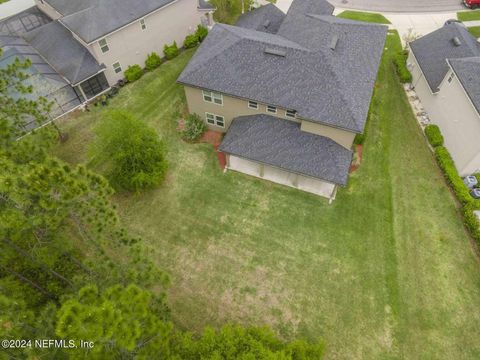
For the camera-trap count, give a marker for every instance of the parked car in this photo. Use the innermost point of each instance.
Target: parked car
(475, 193)
(472, 4)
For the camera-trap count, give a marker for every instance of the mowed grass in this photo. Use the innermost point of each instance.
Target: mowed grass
(468, 15)
(387, 271)
(475, 31)
(364, 16)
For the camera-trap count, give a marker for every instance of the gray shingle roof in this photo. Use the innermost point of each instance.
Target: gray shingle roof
(205, 5)
(93, 19)
(432, 51)
(319, 7)
(327, 86)
(282, 144)
(63, 52)
(468, 72)
(267, 18)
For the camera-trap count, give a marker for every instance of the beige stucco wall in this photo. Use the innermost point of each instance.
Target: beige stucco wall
(232, 107)
(342, 137)
(451, 109)
(131, 44)
(47, 9)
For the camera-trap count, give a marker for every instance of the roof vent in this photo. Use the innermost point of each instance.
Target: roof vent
(456, 41)
(266, 24)
(276, 52)
(333, 43)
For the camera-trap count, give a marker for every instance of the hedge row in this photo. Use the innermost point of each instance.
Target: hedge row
(434, 135)
(135, 72)
(469, 204)
(400, 61)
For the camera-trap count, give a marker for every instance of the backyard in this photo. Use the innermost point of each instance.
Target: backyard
(386, 271)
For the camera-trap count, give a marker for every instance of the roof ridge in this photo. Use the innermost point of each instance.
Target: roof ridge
(342, 21)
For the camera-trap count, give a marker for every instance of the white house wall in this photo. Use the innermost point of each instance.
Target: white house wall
(452, 110)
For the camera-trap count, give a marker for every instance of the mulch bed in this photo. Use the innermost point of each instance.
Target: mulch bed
(358, 158)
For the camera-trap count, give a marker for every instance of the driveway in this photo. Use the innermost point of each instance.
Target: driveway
(13, 7)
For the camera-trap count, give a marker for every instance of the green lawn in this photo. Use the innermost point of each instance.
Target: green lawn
(468, 15)
(387, 271)
(475, 31)
(364, 16)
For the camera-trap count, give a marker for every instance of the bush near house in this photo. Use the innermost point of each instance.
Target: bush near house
(171, 51)
(190, 41)
(434, 135)
(400, 62)
(194, 127)
(201, 32)
(153, 61)
(132, 151)
(133, 73)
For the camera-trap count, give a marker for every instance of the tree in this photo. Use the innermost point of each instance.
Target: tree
(228, 11)
(133, 153)
(120, 321)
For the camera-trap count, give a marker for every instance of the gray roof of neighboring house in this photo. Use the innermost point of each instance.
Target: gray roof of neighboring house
(432, 51)
(332, 87)
(281, 143)
(63, 52)
(23, 22)
(319, 7)
(267, 18)
(205, 5)
(93, 19)
(468, 72)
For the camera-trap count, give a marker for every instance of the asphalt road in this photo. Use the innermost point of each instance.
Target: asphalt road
(401, 6)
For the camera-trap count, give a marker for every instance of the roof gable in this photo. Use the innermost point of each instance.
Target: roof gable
(468, 72)
(267, 18)
(432, 51)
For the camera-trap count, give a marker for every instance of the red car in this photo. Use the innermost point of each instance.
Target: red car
(472, 4)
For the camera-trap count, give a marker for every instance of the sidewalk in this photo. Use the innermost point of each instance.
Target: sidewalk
(13, 7)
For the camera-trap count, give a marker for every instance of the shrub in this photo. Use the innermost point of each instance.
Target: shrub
(190, 41)
(447, 165)
(471, 222)
(133, 73)
(477, 175)
(434, 135)
(170, 51)
(400, 62)
(153, 61)
(201, 32)
(130, 152)
(194, 127)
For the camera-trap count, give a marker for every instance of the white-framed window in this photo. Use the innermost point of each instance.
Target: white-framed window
(143, 24)
(253, 105)
(290, 113)
(213, 97)
(117, 67)
(216, 120)
(103, 45)
(451, 77)
(271, 109)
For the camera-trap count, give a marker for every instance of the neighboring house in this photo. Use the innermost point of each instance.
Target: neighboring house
(120, 33)
(291, 92)
(445, 66)
(82, 47)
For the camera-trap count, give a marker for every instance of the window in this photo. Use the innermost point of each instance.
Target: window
(103, 45)
(253, 105)
(290, 113)
(216, 120)
(271, 109)
(210, 96)
(142, 24)
(117, 67)
(451, 77)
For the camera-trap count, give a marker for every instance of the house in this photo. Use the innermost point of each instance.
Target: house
(86, 45)
(290, 92)
(445, 66)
